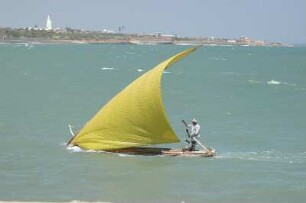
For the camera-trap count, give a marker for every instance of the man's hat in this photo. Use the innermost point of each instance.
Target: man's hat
(194, 120)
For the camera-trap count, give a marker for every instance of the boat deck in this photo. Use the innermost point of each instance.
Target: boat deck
(184, 153)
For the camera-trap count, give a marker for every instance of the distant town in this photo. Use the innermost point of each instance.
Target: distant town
(49, 34)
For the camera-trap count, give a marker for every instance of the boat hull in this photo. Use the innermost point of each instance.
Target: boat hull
(152, 151)
(183, 153)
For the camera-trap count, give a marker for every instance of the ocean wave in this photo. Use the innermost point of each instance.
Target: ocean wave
(270, 155)
(76, 149)
(290, 84)
(254, 81)
(229, 73)
(184, 44)
(273, 82)
(140, 70)
(264, 156)
(107, 68)
(218, 59)
(131, 53)
(123, 155)
(301, 89)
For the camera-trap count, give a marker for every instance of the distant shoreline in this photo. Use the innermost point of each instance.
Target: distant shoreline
(123, 42)
(74, 36)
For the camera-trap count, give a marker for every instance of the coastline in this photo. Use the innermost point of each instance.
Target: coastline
(75, 36)
(128, 42)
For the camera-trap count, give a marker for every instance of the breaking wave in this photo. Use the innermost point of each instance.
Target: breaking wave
(273, 82)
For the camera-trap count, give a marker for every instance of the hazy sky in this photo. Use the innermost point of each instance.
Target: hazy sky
(272, 20)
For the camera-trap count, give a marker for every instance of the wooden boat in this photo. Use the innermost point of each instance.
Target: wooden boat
(134, 118)
(153, 151)
(185, 153)
(145, 151)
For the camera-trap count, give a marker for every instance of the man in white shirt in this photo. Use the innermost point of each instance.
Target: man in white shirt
(194, 133)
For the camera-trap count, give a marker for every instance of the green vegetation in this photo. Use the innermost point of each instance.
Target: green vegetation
(70, 35)
(66, 34)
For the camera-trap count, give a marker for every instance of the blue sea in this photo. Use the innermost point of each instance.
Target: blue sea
(250, 103)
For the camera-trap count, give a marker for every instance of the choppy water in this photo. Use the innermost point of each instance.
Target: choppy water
(250, 103)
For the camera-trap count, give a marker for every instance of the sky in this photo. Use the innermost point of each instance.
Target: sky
(272, 20)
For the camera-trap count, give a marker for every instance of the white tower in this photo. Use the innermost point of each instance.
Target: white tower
(48, 24)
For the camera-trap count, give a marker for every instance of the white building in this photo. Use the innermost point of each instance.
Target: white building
(49, 24)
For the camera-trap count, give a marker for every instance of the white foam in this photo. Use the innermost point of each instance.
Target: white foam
(107, 68)
(140, 70)
(273, 82)
(166, 72)
(78, 149)
(125, 155)
(74, 149)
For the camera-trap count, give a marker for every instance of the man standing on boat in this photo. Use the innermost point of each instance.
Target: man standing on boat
(194, 134)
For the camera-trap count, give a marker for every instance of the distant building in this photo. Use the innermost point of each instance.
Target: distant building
(169, 35)
(231, 41)
(49, 24)
(108, 31)
(157, 34)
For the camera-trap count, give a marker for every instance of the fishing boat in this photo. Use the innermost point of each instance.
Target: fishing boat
(181, 152)
(134, 119)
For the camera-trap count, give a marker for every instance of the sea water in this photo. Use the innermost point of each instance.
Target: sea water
(250, 103)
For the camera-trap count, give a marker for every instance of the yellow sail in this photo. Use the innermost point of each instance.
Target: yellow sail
(134, 117)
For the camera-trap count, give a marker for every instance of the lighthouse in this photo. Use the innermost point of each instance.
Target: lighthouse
(48, 24)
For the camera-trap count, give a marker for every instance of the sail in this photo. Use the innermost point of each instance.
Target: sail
(134, 117)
